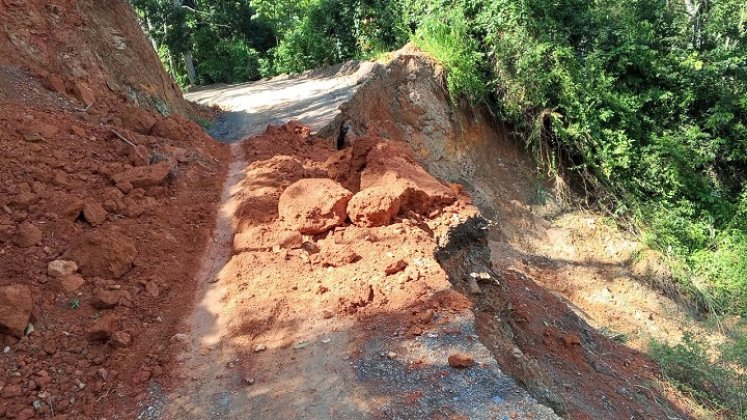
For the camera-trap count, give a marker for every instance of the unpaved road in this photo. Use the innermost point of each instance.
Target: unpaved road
(317, 361)
(313, 99)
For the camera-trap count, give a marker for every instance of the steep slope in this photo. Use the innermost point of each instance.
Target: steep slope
(87, 51)
(104, 201)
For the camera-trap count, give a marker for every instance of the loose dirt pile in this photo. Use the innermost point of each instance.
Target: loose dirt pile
(103, 206)
(563, 361)
(333, 304)
(97, 238)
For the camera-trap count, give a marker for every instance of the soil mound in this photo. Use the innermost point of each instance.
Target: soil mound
(105, 197)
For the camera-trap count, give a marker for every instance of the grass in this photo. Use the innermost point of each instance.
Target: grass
(446, 38)
(715, 377)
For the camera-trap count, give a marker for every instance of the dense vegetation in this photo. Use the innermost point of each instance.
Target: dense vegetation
(643, 102)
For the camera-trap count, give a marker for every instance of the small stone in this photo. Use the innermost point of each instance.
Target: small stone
(460, 361)
(391, 355)
(27, 236)
(121, 339)
(249, 381)
(70, 282)
(260, 347)
(105, 299)
(124, 186)
(37, 405)
(395, 267)
(16, 304)
(59, 268)
(103, 374)
(6, 349)
(180, 338)
(290, 239)
(94, 213)
(152, 289)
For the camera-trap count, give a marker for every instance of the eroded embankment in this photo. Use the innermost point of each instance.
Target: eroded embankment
(533, 333)
(333, 305)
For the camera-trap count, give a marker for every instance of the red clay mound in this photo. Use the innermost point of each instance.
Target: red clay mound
(392, 166)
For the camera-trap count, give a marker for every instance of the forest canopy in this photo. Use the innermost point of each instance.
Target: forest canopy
(641, 103)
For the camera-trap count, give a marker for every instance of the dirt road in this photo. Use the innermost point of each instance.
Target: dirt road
(312, 98)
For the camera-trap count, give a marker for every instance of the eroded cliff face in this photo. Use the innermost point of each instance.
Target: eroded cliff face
(104, 183)
(87, 51)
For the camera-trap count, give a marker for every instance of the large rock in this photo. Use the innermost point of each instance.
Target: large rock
(373, 207)
(314, 205)
(27, 236)
(103, 253)
(15, 309)
(145, 176)
(392, 167)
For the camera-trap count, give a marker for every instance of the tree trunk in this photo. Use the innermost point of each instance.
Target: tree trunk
(189, 63)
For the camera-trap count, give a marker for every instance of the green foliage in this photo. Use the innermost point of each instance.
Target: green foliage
(719, 382)
(445, 36)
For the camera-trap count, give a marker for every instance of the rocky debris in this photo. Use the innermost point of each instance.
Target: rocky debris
(59, 268)
(139, 155)
(290, 240)
(461, 361)
(108, 299)
(335, 257)
(84, 93)
(137, 120)
(15, 309)
(170, 128)
(69, 283)
(27, 235)
(314, 205)
(362, 297)
(257, 238)
(152, 289)
(395, 267)
(373, 207)
(94, 213)
(104, 253)
(144, 176)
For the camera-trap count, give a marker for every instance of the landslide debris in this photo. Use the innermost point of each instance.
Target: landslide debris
(350, 316)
